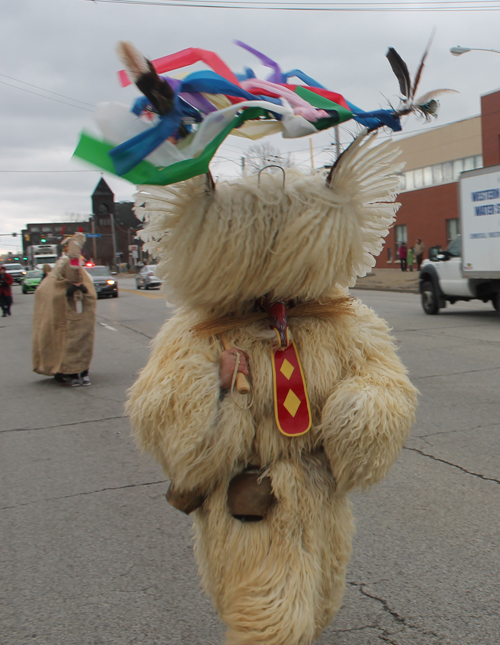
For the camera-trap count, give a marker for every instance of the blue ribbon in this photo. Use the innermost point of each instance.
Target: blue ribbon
(376, 118)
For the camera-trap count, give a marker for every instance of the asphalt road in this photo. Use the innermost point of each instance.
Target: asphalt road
(91, 554)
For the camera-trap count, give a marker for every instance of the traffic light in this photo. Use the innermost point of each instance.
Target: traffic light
(25, 259)
(14, 234)
(43, 240)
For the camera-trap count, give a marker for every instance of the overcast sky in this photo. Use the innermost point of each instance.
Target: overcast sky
(67, 47)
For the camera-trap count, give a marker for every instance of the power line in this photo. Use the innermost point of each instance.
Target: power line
(444, 5)
(50, 171)
(45, 97)
(44, 90)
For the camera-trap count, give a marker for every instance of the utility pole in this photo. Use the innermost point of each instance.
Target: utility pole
(94, 248)
(337, 141)
(111, 214)
(312, 156)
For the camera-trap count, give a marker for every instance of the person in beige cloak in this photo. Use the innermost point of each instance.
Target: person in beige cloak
(259, 268)
(64, 319)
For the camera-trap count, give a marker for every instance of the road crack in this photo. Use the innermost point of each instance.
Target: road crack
(64, 425)
(449, 463)
(90, 492)
(355, 629)
(401, 620)
(448, 374)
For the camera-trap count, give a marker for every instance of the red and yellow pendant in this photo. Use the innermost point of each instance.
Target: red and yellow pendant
(291, 403)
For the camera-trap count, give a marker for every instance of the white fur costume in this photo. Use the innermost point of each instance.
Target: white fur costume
(279, 581)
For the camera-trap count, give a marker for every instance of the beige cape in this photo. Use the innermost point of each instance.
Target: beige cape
(62, 339)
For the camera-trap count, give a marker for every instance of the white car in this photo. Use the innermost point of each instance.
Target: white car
(17, 271)
(146, 278)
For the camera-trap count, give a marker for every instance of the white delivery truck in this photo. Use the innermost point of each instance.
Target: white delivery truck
(40, 254)
(470, 267)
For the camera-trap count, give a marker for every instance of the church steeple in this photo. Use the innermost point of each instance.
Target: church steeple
(103, 200)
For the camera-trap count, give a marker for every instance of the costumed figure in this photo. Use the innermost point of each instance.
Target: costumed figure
(6, 281)
(271, 393)
(64, 318)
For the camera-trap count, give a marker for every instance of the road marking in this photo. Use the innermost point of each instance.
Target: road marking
(108, 326)
(137, 292)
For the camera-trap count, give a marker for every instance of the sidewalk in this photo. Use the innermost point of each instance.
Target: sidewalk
(390, 280)
(377, 280)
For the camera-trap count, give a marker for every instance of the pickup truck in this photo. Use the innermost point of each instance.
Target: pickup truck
(470, 267)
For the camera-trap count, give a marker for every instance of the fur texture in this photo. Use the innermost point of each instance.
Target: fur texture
(279, 581)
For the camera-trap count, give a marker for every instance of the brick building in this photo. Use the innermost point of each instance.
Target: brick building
(114, 223)
(434, 160)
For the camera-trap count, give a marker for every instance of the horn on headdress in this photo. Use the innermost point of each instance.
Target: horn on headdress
(210, 183)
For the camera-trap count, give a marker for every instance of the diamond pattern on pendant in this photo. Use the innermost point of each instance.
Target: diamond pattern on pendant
(292, 403)
(287, 369)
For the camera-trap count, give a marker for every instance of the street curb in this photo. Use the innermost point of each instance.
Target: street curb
(414, 292)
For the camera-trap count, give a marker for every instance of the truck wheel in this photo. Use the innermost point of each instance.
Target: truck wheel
(430, 299)
(496, 302)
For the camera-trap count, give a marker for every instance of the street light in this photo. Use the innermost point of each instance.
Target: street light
(458, 51)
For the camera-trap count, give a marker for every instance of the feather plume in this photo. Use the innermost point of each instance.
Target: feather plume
(428, 96)
(142, 71)
(132, 59)
(421, 66)
(400, 68)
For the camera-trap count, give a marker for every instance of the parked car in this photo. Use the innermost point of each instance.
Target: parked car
(104, 283)
(146, 278)
(31, 281)
(17, 271)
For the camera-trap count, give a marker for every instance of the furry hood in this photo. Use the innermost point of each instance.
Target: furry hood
(293, 237)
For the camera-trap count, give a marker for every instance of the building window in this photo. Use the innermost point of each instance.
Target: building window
(437, 174)
(458, 167)
(452, 228)
(400, 236)
(469, 163)
(47, 229)
(34, 229)
(440, 173)
(447, 172)
(104, 222)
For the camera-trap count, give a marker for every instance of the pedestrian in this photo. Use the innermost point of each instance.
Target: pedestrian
(5, 292)
(46, 270)
(64, 319)
(402, 255)
(419, 252)
(409, 259)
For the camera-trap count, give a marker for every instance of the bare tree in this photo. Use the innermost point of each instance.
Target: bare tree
(76, 217)
(264, 154)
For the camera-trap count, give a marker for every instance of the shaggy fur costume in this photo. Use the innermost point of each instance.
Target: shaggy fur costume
(62, 338)
(279, 581)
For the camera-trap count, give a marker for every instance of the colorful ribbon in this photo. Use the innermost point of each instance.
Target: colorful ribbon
(208, 106)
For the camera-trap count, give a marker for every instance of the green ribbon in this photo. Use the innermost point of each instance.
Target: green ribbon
(97, 153)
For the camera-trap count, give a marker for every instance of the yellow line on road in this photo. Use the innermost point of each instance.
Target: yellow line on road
(143, 294)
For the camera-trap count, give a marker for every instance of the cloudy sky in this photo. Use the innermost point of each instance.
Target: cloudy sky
(58, 62)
